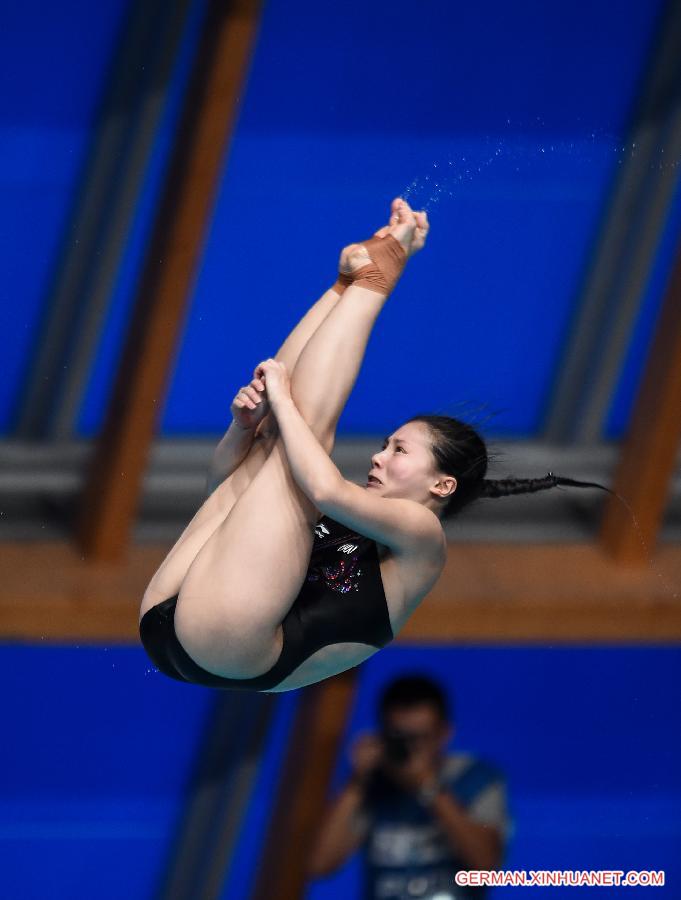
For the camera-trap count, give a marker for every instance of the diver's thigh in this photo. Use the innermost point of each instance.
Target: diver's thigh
(168, 578)
(247, 575)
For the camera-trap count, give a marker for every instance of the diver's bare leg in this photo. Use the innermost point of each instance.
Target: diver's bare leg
(168, 579)
(249, 453)
(244, 579)
(248, 573)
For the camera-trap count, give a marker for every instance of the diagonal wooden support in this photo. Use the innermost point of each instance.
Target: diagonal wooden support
(112, 491)
(313, 748)
(649, 453)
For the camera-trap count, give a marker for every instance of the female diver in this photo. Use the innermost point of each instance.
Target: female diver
(288, 573)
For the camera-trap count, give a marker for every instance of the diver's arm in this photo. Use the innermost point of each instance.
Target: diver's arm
(311, 466)
(402, 525)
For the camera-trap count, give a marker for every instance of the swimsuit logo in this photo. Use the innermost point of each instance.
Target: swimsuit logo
(347, 548)
(320, 530)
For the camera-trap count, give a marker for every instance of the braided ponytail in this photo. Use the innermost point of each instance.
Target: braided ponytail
(503, 487)
(460, 451)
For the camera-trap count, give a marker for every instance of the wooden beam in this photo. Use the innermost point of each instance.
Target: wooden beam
(496, 593)
(648, 457)
(305, 779)
(111, 495)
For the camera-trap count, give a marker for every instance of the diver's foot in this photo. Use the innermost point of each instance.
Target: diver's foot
(402, 225)
(420, 232)
(377, 249)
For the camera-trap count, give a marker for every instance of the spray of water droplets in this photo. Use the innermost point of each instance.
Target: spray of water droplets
(425, 191)
(522, 152)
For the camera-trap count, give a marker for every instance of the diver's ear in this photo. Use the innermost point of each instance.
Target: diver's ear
(445, 486)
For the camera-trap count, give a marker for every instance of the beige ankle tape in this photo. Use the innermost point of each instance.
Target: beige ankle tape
(388, 259)
(342, 282)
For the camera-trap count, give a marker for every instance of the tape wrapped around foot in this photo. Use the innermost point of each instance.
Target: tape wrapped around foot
(342, 282)
(388, 259)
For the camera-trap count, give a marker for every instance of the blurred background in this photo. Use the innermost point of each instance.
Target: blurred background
(178, 179)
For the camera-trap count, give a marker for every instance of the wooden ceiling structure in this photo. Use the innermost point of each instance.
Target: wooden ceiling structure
(621, 588)
(618, 588)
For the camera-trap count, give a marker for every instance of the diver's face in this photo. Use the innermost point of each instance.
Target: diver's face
(405, 466)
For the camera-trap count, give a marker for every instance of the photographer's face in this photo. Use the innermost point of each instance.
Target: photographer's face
(421, 728)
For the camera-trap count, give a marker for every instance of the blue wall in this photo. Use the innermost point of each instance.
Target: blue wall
(506, 122)
(340, 114)
(333, 126)
(97, 753)
(98, 749)
(54, 63)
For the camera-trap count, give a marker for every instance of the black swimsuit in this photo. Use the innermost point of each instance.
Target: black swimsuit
(342, 599)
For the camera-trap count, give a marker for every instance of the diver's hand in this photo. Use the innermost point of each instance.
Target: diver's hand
(251, 405)
(277, 382)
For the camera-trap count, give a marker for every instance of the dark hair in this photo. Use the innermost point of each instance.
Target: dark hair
(413, 690)
(460, 451)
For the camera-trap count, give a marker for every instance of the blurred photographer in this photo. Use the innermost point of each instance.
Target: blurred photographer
(419, 813)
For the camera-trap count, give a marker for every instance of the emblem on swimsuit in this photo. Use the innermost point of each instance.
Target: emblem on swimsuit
(347, 548)
(342, 577)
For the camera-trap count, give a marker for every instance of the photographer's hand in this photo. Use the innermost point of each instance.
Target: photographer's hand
(365, 755)
(419, 771)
